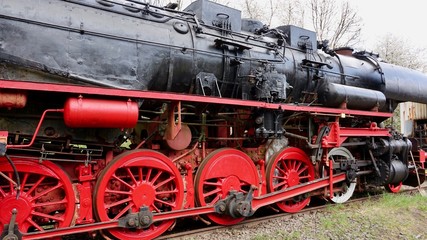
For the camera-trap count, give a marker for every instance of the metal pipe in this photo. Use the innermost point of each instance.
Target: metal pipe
(37, 129)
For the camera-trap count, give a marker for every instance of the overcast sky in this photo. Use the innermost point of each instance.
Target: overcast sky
(406, 19)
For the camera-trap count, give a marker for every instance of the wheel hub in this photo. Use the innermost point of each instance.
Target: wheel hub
(230, 183)
(143, 195)
(9, 203)
(293, 178)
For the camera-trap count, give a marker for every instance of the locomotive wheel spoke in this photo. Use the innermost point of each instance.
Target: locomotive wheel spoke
(215, 191)
(135, 179)
(282, 171)
(284, 167)
(45, 192)
(218, 184)
(300, 172)
(288, 168)
(47, 195)
(155, 208)
(131, 176)
(279, 177)
(215, 200)
(123, 211)
(29, 192)
(126, 200)
(164, 182)
(147, 178)
(49, 203)
(29, 220)
(59, 219)
(118, 192)
(123, 182)
(279, 186)
(222, 171)
(155, 178)
(2, 193)
(23, 181)
(167, 192)
(140, 174)
(164, 202)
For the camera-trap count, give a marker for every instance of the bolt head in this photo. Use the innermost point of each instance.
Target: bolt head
(131, 222)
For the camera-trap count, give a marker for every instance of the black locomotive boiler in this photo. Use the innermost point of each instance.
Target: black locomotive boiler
(119, 118)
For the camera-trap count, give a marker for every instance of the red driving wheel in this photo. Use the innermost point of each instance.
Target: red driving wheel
(222, 171)
(288, 168)
(46, 199)
(135, 179)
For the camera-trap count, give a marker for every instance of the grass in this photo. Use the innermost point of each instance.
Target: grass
(390, 217)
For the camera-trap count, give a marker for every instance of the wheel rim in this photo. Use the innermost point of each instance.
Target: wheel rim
(46, 199)
(135, 179)
(222, 171)
(286, 169)
(337, 154)
(393, 188)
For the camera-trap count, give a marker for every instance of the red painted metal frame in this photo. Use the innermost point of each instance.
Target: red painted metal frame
(257, 203)
(84, 189)
(338, 135)
(23, 85)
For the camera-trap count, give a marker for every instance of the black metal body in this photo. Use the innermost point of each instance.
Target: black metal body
(141, 47)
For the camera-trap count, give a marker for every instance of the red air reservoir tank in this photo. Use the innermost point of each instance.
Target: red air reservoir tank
(96, 113)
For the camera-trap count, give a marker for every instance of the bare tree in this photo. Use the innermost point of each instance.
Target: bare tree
(397, 51)
(322, 13)
(340, 25)
(252, 10)
(292, 13)
(263, 11)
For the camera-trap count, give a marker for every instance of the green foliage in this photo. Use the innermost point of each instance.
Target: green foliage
(394, 121)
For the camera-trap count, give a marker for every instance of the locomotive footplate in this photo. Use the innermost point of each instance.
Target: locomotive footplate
(242, 205)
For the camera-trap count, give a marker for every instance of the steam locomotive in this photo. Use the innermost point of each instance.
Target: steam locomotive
(118, 118)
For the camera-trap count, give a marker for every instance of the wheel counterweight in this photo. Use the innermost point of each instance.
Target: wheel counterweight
(136, 179)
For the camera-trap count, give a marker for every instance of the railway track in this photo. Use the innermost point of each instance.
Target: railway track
(258, 219)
